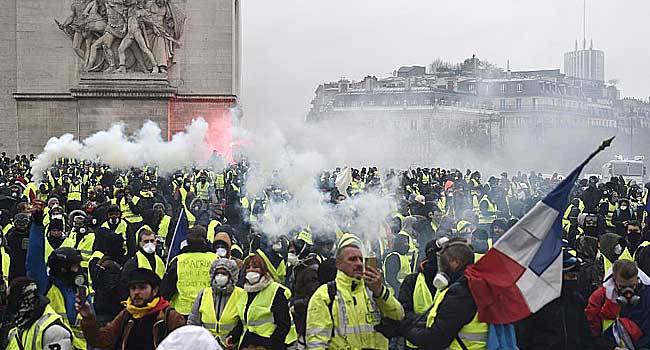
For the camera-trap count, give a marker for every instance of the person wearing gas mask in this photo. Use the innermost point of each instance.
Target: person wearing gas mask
(17, 243)
(417, 291)
(622, 215)
(55, 237)
(216, 307)
(397, 264)
(145, 257)
(619, 311)
(302, 279)
(81, 237)
(452, 318)
(37, 326)
(55, 212)
(560, 324)
(189, 271)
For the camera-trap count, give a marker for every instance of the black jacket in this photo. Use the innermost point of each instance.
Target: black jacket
(455, 311)
(105, 275)
(405, 296)
(559, 325)
(16, 247)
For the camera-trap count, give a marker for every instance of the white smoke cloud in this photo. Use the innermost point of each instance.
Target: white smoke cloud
(120, 150)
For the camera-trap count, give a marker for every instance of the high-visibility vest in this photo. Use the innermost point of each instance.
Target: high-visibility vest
(229, 316)
(277, 273)
(611, 208)
(422, 299)
(143, 263)
(32, 339)
(474, 334)
(57, 302)
(84, 246)
(258, 317)
(163, 226)
(193, 271)
(219, 181)
(127, 214)
(6, 262)
(212, 226)
(120, 229)
(642, 245)
(202, 190)
(491, 215)
(404, 268)
(74, 192)
(607, 264)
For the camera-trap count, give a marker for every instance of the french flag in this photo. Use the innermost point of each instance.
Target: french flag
(523, 270)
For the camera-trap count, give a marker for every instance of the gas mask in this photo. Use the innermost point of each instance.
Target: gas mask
(114, 220)
(292, 259)
(628, 295)
(441, 280)
(277, 247)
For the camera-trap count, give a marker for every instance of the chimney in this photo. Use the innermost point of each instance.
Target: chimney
(343, 85)
(450, 85)
(369, 83)
(407, 84)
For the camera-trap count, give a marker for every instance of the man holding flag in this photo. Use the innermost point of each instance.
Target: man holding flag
(188, 266)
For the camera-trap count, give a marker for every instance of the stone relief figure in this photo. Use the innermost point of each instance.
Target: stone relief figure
(105, 29)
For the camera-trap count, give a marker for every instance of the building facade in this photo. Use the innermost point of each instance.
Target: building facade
(585, 64)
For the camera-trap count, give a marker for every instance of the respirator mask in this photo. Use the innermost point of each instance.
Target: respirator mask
(628, 295)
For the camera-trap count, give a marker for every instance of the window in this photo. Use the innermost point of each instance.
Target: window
(503, 87)
(534, 103)
(427, 102)
(518, 103)
(502, 104)
(520, 87)
(371, 103)
(471, 87)
(414, 124)
(397, 102)
(341, 103)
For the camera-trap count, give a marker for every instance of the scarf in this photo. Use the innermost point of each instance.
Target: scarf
(156, 305)
(261, 284)
(69, 297)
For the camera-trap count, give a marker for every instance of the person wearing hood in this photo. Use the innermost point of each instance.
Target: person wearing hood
(452, 322)
(144, 322)
(55, 237)
(302, 279)
(215, 307)
(417, 291)
(560, 324)
(622, 215)
(612, 247)
(115, 222)
(105, 267)
(81, 237)
(264, 317)
(497, 229)
(272, 253)
(145, 257)
(591, 273)
(17, 242)
(36, 325)
(188, 272)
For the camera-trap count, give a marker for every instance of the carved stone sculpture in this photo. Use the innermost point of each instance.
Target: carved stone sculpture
(142, 34)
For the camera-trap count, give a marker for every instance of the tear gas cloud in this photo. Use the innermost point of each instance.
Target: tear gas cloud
(121, 150)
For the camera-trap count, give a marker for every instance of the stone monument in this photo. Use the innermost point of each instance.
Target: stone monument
(79, 66)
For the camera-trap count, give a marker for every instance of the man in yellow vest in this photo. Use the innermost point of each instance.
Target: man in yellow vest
(189, 272)
(215, 307)
(342, 314)
(145, 257)
(37, 325)
(397, 264)
(452, 321)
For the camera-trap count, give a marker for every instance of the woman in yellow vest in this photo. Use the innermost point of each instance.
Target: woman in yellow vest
(215, 308)
(263, 311)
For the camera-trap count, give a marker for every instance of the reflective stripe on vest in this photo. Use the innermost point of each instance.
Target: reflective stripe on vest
(193, 271)
(74, 192)
(32, 339)
(259, 317)
(143, 263)
(474, 334)
(202, 190)
(229, 316)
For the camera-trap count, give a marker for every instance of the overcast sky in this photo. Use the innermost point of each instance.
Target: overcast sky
(290, 46)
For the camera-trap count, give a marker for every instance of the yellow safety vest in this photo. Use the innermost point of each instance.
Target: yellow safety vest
(219, 181)
(610, 213)
(229, 315)
(474, 334)
(212, 226)
(404, 268)
(259, 318)
(143, 263)
(643, 244)
(74, 192)
(163, 226)
(491, 214)
(202, 190)
(422, 299)
(120, 229)
(57, 302)
(280, 273)
(6, 262)
(32, 339)
(127, 214)
(85, 246)
(608, 264)
(193, 271)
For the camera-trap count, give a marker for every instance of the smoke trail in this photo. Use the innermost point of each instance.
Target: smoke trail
(120, 150)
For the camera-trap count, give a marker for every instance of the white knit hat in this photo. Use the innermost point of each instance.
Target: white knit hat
(189, 337)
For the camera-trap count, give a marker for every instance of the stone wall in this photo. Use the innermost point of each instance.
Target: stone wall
(7, 75)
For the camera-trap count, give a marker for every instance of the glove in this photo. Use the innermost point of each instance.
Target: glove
(390, 328)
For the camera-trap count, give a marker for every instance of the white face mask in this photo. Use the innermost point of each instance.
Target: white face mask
(221, 280)
(618, 249)
(276, 247)
(441, 281)
(253, 277)
(292, 259)
(222, 252)
(149, 248)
